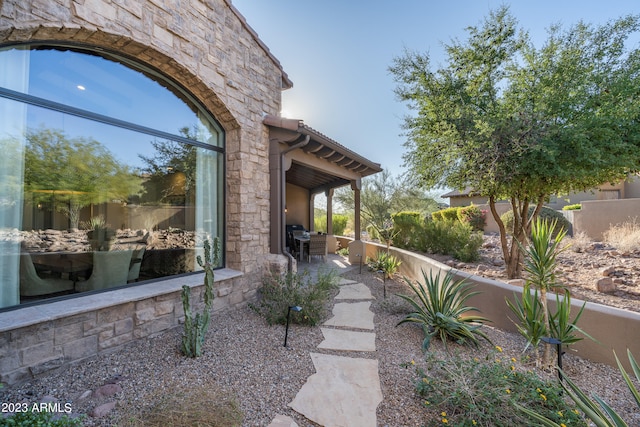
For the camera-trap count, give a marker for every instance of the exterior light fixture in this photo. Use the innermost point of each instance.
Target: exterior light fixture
(384, 282)
(286, 331)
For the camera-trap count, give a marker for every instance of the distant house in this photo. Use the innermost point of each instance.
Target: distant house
(130, 133)
(628, 189)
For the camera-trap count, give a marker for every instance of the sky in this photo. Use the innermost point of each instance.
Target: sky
(338, 52)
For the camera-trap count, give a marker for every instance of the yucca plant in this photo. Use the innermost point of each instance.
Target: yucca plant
(595, 409)
(440, 308)
(540, 266)
(529, 319)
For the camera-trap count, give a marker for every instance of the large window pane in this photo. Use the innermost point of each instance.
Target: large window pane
(90, 205)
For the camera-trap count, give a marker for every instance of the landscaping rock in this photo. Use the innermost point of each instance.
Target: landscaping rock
(103, 410)
(605, 285)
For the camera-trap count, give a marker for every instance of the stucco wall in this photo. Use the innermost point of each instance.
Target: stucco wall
(597, 216)
(613, 328)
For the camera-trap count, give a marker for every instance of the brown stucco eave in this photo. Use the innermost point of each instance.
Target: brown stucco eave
(345, 157)
(286, 82)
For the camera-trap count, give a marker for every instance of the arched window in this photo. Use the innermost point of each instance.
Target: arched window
(111, 174)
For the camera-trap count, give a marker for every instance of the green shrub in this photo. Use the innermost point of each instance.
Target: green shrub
(450, 238)
(278, 293)
(384, 262)
(39, 419)
(596, 410)
(406, 225)
(437, 216)
(447, 214)
(574, 207)
(546, 214)
(439, 308)
(475, 392)
(339, 224)
(473, 216)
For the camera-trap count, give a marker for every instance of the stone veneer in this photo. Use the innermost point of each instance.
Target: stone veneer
(207, 47)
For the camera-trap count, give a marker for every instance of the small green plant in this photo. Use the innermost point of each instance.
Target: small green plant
(473, 216)
(196, 326)
(440, 309)
(546, 214)
(39, 419)
(484, 392)
(573, 207)
(278, 293)
(596, 409)
(389, 264)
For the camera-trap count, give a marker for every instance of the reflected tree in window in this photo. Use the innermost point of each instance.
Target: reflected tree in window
(74, 172)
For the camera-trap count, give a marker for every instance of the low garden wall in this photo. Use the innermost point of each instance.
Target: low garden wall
(613, 329)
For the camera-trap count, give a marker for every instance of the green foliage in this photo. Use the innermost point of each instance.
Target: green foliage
(546, 214)
(339, 224)
(473, 216)
(196, 326)
(39, 419)
(516, 122)
(529, 316)
(450, 238)
(278, 293)
(440, 309)
(475, 392)
(574, 207)
(406, 224)
(385, 262)
(596, 409)
(450, 214)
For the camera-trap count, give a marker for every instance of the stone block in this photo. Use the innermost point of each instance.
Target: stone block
(123, 326)
(33, 355)
(164, 307)
(69, 332)
(9, 361)
(144, 316)
(115, 341)
(79, 349)
(16, 376)
(47, 365)
(25, 337)
(112, 314)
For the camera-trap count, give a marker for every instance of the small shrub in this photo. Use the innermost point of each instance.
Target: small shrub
(278, 293)
(384, 262)
(39, 419)
(579, 242)
(343, 252)
(546, 214)
(485, 392)
(451, 238)
(339, 224)
(625, 237)
(197, 405)
(406, 225)
(596, 410)
(473, 216)
(574, 207)
(439, 308)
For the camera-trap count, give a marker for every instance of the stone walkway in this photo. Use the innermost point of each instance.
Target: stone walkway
(344, 391)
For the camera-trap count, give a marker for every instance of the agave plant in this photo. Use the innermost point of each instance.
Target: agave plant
(440, 308)
(596, 409)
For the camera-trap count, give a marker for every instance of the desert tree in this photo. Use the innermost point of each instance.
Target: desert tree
(520, 123)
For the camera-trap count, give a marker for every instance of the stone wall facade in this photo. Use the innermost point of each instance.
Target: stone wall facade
(207, 47)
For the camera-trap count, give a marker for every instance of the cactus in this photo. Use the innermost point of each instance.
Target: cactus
(195, 327)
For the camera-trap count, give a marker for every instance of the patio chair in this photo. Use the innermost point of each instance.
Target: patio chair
(33, 285)
(110, 269)
(135, 264)
(318, 246)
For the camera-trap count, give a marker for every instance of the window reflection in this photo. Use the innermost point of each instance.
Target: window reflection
(87, 205)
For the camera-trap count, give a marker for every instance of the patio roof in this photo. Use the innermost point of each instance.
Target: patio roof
(326, 164)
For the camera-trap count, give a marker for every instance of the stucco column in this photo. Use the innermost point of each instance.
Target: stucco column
(329, 194)
(312, 203)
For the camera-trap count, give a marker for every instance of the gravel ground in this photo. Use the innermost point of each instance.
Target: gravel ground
(246, 358)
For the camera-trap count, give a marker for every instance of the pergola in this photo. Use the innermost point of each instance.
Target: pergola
(308, 163)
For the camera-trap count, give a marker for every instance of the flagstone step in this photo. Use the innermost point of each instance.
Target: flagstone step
(283, 421)
(354, 292)
(338, 339)
(344, 392)
(352, 315)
